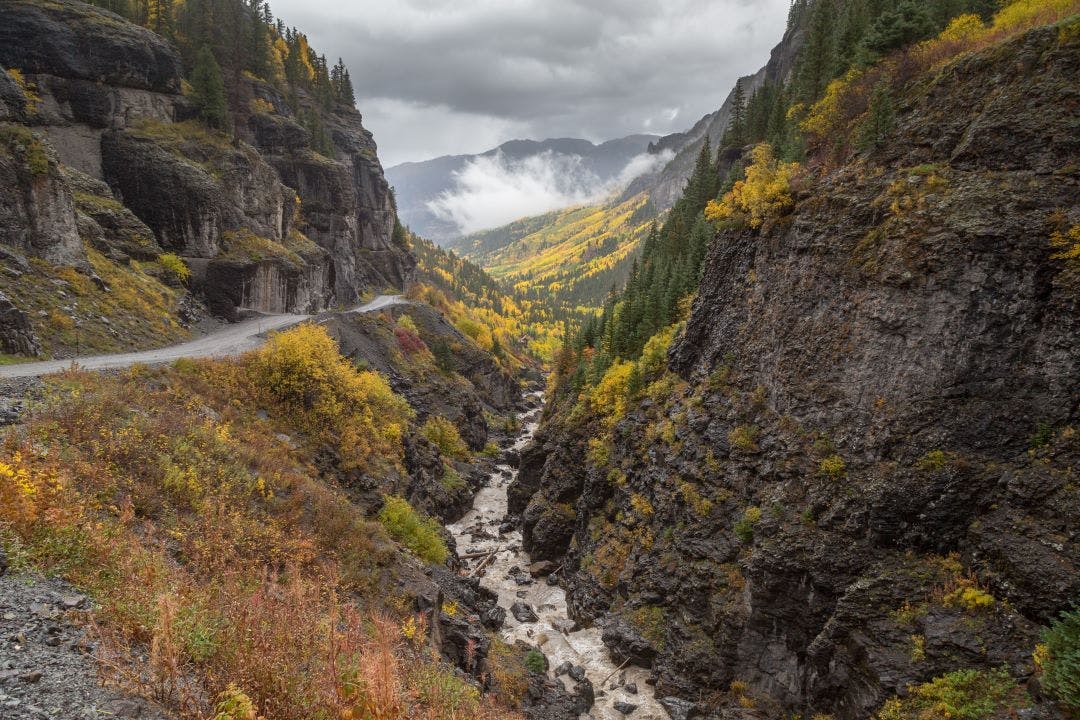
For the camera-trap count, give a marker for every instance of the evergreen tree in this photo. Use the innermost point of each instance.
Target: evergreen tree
(908, 23)
(880, 118)
(817, 60)
(208, 90)
(735, 134)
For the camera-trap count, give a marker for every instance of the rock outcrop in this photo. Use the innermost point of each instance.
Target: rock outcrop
(863, 477)
(265, 222)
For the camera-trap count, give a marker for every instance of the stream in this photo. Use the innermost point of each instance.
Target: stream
(553, 632)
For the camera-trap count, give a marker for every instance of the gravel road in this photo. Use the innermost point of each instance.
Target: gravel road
(232, 340)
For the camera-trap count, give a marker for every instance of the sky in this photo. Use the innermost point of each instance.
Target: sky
(442, 77)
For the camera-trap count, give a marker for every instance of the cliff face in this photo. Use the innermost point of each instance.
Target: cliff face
(264, 222)
(873, 424)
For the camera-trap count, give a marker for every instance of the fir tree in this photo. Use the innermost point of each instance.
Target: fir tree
(908, 23)
(880, 118)
(734, 136)
(208, 90)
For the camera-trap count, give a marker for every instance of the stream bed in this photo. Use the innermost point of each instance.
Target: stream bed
(553, 631)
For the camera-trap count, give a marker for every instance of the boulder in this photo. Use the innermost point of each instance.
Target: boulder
(523, 613)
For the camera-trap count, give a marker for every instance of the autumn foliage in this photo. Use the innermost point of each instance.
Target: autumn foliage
(185, 502)
(764, 195)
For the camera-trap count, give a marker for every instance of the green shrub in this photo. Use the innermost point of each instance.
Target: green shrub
(959, 695)
(444, 435)
(536, 662)
(1061, 668)
(419, 534)
(744, 528)
(451, 478)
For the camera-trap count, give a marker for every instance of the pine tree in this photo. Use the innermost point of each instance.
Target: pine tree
(818, 56)
(735, 134)
(208, 90)
(880, 118)
(897, 28)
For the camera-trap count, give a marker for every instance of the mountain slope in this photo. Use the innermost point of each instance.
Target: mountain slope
(417, 184)
(848, 487)
(567, 260)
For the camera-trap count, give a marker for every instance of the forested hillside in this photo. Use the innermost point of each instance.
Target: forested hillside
(566, 261)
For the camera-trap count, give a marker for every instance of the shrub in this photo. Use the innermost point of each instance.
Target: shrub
(832, 467)
(654, 357)
(451, 478)
(744, 528)
(744, 437)
(174, 267)
(234, 704)
(29, 90)
(765, 193)
(610, 397)
(933, 461)
(649, 619)
(968, 597)
(959, 695)
(641, 505)
(444, 435)
(536, 662)
(700, 504)
(419, 534)
(355, 410)
(1061, 666)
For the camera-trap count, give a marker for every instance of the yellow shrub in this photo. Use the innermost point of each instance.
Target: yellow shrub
(1067, 245)
(825, 117)
(968, 597)
(832, 467)
(610, 396)
(764, 194)
(174, 266)
(444, 435)
(642, 506)
(1027, 13)
(303, 369)
(654, 356)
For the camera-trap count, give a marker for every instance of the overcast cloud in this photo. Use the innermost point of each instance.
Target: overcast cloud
(437, 77)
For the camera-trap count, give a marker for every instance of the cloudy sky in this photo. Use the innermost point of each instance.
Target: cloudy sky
(438, 77)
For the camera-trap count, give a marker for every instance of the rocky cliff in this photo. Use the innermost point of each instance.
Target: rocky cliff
(263, 221)
(862, 474)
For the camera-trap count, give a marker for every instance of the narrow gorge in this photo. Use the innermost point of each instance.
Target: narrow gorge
(769, 416)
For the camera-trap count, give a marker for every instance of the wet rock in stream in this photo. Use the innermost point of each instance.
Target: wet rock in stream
(523, 613)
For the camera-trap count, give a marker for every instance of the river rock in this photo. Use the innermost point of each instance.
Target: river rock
(680, 709)
(586, 693)
(523, 613)
(624, 707)
(542, 568)
(577, 672)
(563, 668)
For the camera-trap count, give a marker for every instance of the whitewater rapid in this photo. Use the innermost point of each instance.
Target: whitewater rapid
(554, 632)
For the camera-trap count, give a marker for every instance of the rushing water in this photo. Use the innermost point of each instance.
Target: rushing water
(554, 633)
